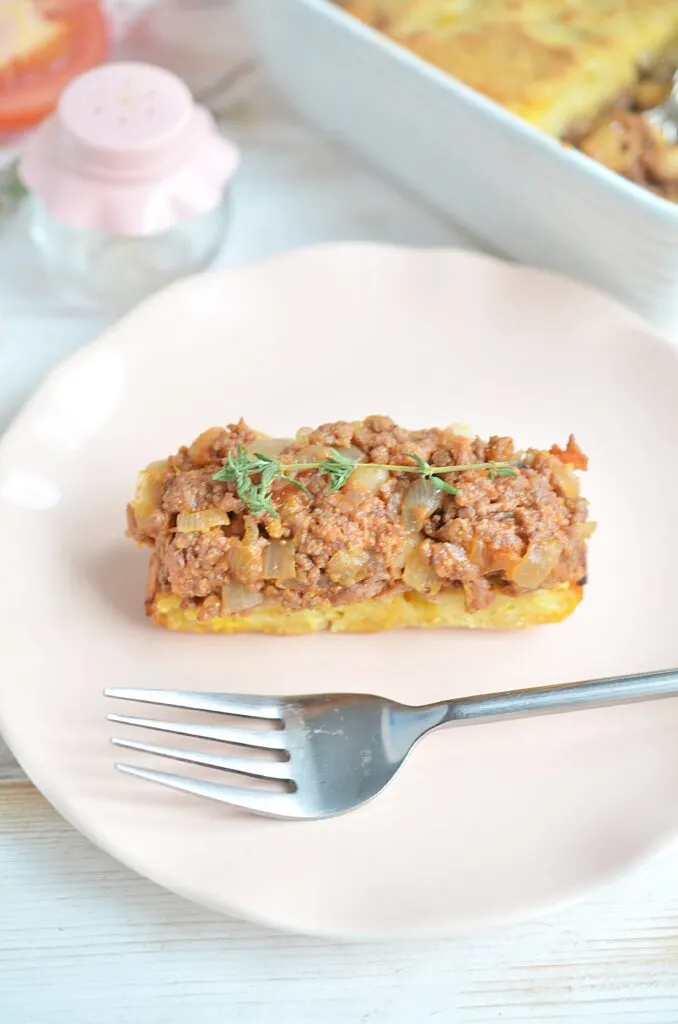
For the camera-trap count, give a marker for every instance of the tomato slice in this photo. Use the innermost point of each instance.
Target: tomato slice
(30, 85)
(572, 455)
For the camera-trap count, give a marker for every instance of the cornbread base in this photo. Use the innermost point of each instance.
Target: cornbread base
(397, 611)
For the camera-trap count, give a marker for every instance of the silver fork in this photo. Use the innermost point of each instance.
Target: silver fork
(325, 754)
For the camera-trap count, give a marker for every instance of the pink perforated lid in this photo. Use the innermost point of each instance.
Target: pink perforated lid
(129, 152)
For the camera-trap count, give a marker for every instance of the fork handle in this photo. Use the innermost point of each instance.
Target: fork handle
(562, 697)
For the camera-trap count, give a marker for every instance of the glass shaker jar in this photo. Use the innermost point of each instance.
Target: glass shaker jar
(129, 183)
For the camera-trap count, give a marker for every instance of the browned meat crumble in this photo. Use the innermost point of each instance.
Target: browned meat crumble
(376, 534)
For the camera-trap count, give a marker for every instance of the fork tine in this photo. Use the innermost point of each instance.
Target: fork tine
(241, 765)
(267, 739)
(244, 705)
(281, 805)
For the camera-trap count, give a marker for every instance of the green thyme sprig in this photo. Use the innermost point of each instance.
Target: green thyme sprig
(255, 474)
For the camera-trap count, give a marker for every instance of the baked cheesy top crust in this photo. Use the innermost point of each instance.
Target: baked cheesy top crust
(382, 533)
(581, 70)
(551, 61)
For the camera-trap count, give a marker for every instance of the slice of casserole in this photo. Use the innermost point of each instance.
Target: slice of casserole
(552, 62)
(357, 527)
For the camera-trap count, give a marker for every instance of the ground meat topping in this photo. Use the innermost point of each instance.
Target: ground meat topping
(625, 139)
(496, 534)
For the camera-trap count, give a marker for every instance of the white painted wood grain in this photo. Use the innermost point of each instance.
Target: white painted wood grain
(84, 941)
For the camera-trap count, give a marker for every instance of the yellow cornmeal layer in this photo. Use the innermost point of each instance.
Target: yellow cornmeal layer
(397, 611)
(552, 62)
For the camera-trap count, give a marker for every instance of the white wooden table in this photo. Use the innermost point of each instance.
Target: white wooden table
(84, 941)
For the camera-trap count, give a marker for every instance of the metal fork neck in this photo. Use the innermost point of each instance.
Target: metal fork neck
(563, 697)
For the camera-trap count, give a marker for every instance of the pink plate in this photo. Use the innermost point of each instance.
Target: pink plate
(485, 824)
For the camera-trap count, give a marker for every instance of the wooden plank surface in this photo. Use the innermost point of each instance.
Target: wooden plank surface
(85, 941)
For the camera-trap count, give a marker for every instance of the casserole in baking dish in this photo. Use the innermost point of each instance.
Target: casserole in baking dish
(512, 185)
(580, 70)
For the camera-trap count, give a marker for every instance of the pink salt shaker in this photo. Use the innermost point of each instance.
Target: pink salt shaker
(129, 183)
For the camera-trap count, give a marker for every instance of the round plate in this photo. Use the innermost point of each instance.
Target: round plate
(484, 824)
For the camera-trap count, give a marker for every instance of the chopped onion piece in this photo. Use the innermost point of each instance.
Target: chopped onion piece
(245, 556)
(251, 532)
(536, 564)
(241, 560)
(148, 493)
(367, 478)
(461, 430)
(236, 598)
(489, 560)
(408, 545)
(201, 449)
(419, 574)
(270, 446)
(275, 528)
(206, 519)
(479, 554)
(422, 498)
(313, 453)
(279, 560)
(357, 454)
(565, 478)
(348, 567)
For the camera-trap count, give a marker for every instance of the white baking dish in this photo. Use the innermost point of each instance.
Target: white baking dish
(513, 186)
